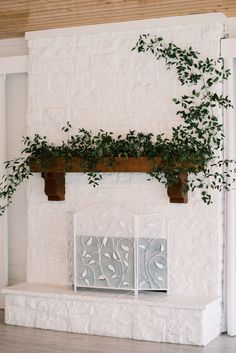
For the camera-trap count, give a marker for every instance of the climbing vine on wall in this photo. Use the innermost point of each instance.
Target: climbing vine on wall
(200, 137)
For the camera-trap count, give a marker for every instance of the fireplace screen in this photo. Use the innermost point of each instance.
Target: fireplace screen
(114, 249)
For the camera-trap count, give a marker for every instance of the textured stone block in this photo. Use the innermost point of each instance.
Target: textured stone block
(148, 325)
(79, 324)
(22, 316)
(149, 317)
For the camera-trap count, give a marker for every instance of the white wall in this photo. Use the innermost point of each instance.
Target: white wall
(231, 27)
(89, 76)
(16, 111)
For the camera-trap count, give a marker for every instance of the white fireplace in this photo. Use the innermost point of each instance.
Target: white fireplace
(90, 77)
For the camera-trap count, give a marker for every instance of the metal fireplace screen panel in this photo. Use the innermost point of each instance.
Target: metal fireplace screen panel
(105, 262)
(120, 263)
(152, 263)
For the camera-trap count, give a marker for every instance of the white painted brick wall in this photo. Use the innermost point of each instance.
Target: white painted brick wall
(95, 81)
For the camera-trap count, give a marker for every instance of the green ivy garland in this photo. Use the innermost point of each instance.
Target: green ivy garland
(199, 140)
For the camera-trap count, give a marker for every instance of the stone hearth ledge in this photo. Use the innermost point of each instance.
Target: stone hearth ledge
(150, 316)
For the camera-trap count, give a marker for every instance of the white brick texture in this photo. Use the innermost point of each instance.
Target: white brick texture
(95, 81)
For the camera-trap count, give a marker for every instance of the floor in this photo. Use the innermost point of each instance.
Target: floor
(15, 339)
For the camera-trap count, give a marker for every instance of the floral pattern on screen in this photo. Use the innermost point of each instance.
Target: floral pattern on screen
(114, 249)
(105, 262)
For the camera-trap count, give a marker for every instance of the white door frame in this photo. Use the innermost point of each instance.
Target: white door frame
(8, 65)
(3, 219)
(228, 52)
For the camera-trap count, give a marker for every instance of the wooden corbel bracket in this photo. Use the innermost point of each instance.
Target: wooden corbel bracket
(54, 186)
(176, 192)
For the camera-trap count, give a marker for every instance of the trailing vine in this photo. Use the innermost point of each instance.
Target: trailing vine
(196, 145)
(200, 139)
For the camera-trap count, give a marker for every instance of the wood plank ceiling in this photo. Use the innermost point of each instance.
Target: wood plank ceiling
(19, 16)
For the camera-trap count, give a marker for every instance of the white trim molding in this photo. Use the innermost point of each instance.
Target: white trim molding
(14, 64)
(8, 65)
(228, 51)
(13, 47)
(3, 219)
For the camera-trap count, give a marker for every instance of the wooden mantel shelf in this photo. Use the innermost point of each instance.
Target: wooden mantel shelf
(54, 174)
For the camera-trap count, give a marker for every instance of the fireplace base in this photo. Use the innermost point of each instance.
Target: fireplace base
(150, 316)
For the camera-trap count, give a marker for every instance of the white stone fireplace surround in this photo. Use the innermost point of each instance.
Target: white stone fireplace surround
(90, 77)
